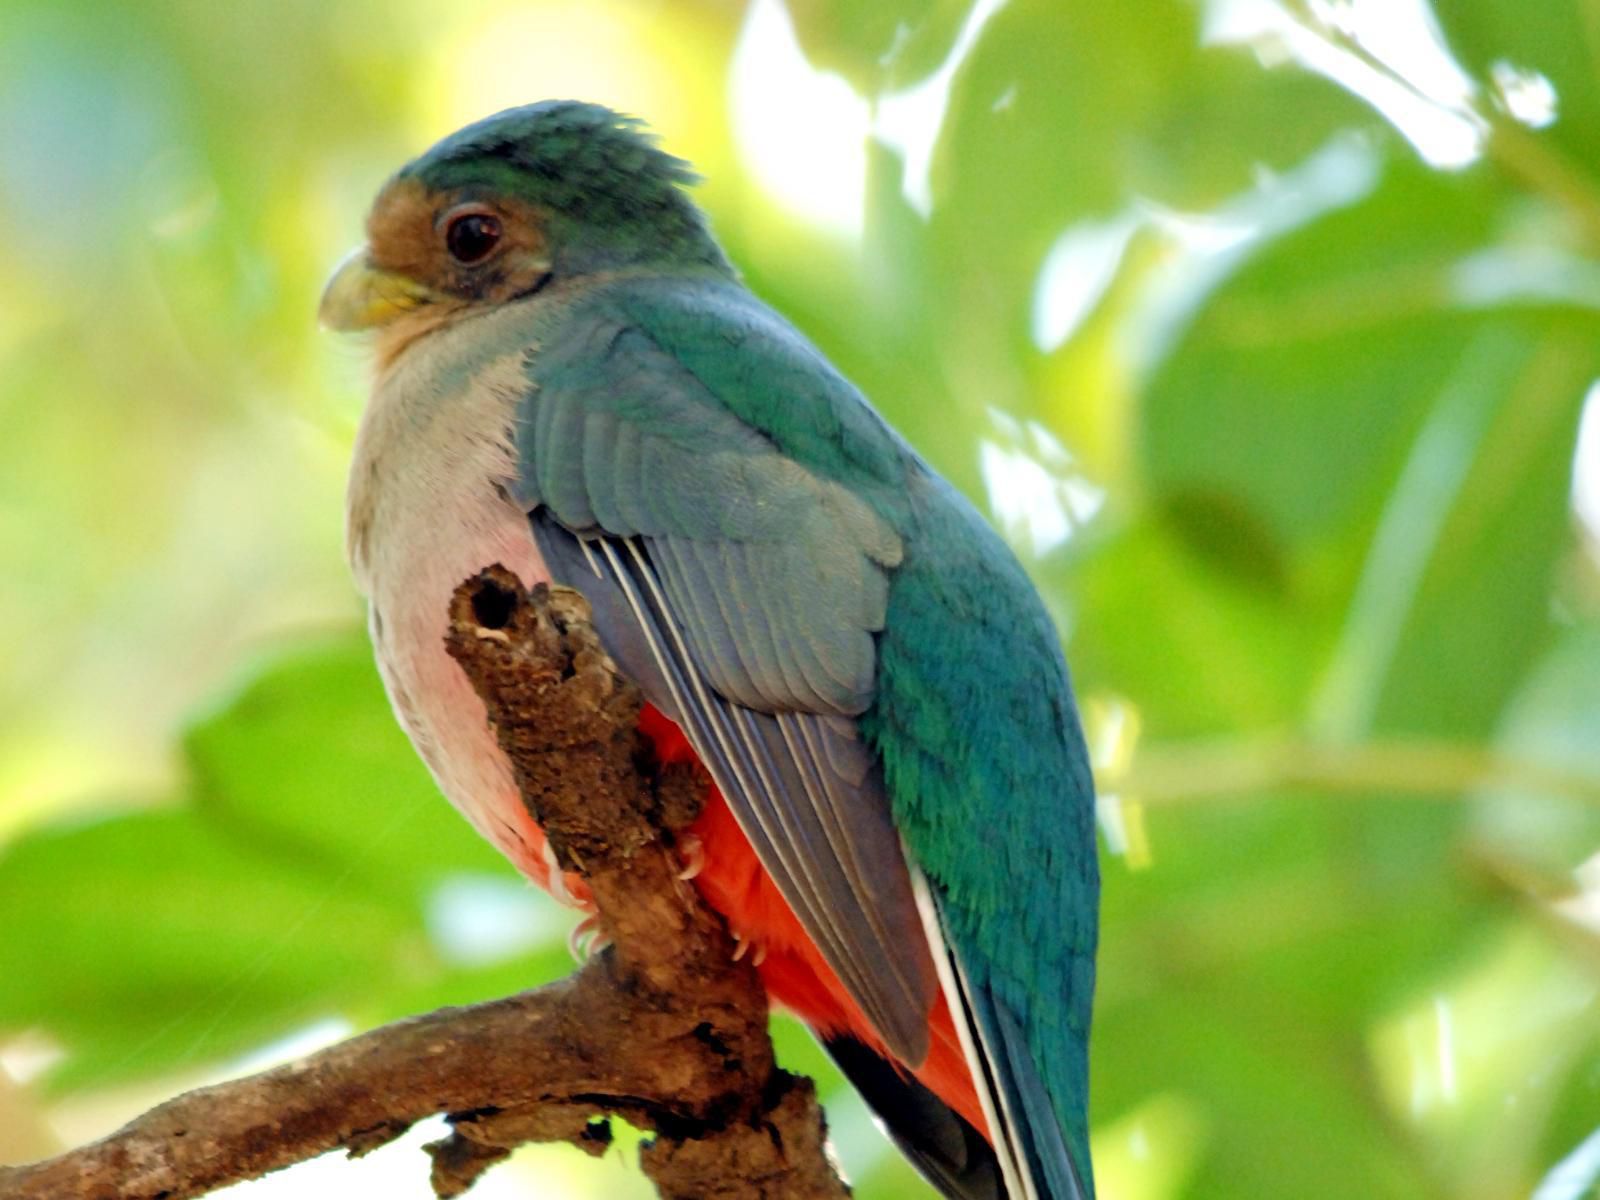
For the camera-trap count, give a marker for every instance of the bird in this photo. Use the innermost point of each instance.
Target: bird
(571, 379)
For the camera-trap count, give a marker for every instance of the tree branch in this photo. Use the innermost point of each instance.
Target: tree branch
(663, 1028)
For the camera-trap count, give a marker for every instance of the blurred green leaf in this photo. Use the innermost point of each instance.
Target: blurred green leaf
(1282, 1100)
(1559, 39)
(1576, 1099)
(1517, 1019)
(147, 942)
(1342, 395)
(1225, 120)
(1554, 720)
(1052, 92)
(293, 885)
(1470, 634)
(308, 759)
(878, 46)
(1222, 650)
(1302, 382)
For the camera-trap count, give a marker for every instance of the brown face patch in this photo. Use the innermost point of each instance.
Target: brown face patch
(406, 234)
(400, 230)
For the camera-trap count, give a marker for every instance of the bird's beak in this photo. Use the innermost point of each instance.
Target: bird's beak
(363, 296)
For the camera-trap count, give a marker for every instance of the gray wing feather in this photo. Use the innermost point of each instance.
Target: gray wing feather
(627, 491)
(809, 838)
(740, 563)
(715, 631)
(814, 748)
(603, 434)
(802, 672)
(562, 476)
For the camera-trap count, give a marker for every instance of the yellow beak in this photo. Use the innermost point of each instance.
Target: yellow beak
(362, 296)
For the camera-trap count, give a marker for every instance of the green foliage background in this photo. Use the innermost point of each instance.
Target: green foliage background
(1289, 444)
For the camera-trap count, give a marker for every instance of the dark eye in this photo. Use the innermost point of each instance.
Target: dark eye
(471, 236)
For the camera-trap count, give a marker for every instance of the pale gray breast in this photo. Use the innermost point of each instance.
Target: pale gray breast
(425, 511)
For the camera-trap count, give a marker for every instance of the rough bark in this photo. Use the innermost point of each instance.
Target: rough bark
(663, 1028)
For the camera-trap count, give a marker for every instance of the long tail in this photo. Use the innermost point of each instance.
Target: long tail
(1030, 1150)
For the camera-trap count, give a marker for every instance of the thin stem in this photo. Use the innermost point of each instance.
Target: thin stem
(1534, 162)
(1188, 772)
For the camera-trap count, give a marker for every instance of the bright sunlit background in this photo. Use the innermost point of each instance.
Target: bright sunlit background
(1268, 331)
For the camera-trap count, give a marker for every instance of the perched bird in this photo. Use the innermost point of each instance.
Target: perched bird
(572, 380)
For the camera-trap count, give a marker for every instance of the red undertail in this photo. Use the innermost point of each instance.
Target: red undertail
(734, 883)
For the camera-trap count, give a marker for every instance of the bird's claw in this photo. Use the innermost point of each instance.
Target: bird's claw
(745, 947)
(586, 939)
(694, 855)
(557, 879)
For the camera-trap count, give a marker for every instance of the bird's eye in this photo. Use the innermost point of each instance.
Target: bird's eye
(471, 236)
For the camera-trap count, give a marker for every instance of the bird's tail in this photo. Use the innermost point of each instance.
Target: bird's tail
(1028, 1144)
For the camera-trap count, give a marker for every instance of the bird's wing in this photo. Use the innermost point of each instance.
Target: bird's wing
(742, 591)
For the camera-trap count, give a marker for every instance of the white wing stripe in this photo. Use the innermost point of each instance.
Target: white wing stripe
(1012, 1159)
(712, 727)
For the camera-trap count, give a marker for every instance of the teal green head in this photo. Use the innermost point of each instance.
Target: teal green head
(512, 203)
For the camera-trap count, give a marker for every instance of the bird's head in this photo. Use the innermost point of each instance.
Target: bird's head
(509, 204)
